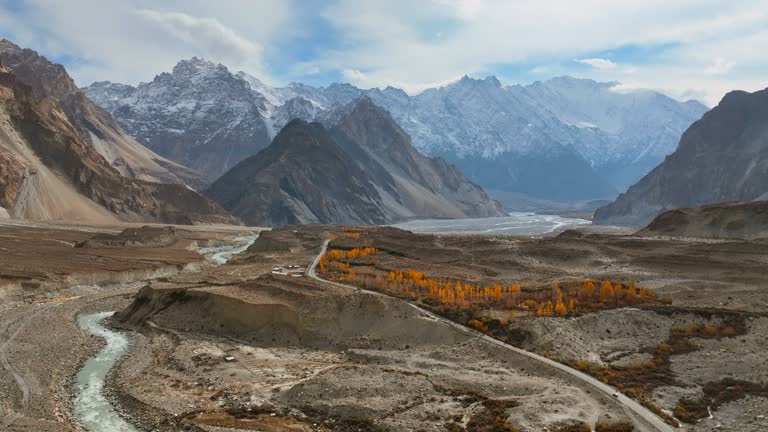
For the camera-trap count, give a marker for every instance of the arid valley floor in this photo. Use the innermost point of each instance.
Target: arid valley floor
(310, 355)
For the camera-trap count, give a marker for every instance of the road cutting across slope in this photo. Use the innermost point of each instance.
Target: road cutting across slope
(640, 411)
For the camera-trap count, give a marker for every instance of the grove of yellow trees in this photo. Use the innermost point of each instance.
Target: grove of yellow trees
(410, 283)
(346, 265)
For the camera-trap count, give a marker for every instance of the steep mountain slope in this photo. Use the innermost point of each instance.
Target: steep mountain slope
(47, 171)
(361, 171)
(303, 177)
(745, 220)
(722, 157)
(200, 115)
(427, 187)
(475, 124)
(94, 125)
(500, 142)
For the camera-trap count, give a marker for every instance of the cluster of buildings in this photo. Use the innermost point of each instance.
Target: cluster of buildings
(294, 270)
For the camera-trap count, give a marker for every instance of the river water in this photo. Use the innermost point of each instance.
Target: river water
(517, 223)
(92, 408)
(222, 254)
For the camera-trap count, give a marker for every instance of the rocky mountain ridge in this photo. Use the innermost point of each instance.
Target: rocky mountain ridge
(744, 220)
(199, 115)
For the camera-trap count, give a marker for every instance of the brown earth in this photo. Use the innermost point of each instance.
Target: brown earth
(325, 355)
(54, 173)
(38, 258)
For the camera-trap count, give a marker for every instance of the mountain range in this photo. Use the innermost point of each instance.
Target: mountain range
(357, 169)
(722, 157)
(64, 158)
(562, 139)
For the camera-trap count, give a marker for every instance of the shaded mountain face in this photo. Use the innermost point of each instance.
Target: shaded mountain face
(363, 170)
(94, 125)
(199, 115)
(582, 139)
(49, 172)
(722, 157)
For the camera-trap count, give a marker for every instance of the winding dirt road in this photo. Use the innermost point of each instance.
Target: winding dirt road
(640, 411)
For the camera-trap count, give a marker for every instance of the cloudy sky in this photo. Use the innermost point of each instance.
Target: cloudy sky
(687, 48)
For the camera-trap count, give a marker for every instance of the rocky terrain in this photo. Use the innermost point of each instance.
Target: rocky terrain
(40, 258)
(486, 128)
(729, 220)
(50, 172)
(363, 170)
(722, 157)
(499, 136)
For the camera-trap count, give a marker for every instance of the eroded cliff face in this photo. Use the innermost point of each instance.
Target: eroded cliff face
(296, 312)
(13, 171)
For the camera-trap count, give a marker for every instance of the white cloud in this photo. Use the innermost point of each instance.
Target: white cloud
(218, 41)
(710, 44)
(541, 70)
(112, 40)
(598, 63)
(388, 42)
(720, 66)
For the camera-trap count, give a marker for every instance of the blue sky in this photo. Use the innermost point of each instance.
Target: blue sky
(686, 48)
